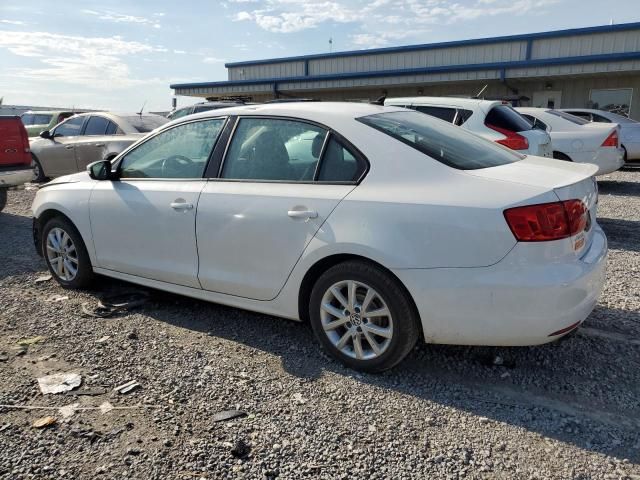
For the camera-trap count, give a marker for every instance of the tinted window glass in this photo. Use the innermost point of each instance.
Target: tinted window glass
(27, 119)
(96, 126)
(180, 152)
(338, 164)
(569, 117)
(507, 118)
(447, 144)
(536, 122)
(70, 128)
(64, 115)
(146, 123)
(36, 119)
(463, 116)
(443, 113)
(585, 115)
(600, 118)
(179, 113)
(112, 129)
(272, 149)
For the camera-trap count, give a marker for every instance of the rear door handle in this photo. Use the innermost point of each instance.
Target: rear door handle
(69, 147)
(99, 144)
(181, 205)
(302, 214)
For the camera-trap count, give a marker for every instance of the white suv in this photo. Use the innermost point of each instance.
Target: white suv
(490, 119)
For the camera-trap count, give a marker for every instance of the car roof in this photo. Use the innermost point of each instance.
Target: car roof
(50, 112)
(318, 111)
(446, 101)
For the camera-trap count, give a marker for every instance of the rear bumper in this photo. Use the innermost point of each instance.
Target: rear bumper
(608, 160)
(14, 176)
(514, 302)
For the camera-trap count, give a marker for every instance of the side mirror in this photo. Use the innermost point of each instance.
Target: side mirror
(100, 170)
(46, 134)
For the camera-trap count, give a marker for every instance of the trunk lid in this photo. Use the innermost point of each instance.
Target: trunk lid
(567, 180)
(14, 143)
(539, 142)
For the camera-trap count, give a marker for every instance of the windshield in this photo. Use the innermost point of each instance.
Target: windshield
(441, 141)
(569, 117)
(146, 123)
(36, 119)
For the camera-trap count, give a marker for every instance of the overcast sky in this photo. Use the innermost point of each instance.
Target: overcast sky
(82, 54)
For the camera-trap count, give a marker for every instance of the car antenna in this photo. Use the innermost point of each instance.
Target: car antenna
(477, 95)
(380, 100)
(142, 108)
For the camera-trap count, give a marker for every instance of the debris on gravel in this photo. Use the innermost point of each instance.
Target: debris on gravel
(569, 409)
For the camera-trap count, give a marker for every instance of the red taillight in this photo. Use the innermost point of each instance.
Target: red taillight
(547, 221)
(612, 140)
(514, 140)
(26, 157)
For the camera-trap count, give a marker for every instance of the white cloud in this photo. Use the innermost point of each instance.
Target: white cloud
(13, 22)
(212, 60)
(123, 18)
(94, 62)
(380, 21)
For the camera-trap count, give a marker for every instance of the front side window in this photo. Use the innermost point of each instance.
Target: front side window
(447, 144)
(70, 128)
(274, 149)
(96, 126)
(180, 152)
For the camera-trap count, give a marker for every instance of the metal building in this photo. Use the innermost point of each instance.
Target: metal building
(596, 67)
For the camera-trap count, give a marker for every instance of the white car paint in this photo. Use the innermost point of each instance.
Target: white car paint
(440, 230)
(629, 128)
(539, 142)
(581, 143)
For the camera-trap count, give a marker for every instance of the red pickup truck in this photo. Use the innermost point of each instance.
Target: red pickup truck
(15, 156)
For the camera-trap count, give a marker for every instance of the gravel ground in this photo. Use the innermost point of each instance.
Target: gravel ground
(567, 410)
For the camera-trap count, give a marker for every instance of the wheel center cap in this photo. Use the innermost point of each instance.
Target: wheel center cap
(356, 319)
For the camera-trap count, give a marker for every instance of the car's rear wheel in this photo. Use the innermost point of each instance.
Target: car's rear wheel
(363, 317)
(3, 198)
(38, 173)
(65, 254)
(561, 156)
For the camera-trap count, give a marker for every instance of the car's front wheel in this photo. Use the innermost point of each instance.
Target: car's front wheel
(65, 254)
(363, 317)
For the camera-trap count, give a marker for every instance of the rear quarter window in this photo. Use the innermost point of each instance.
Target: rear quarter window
(447, 144)
(506, 118)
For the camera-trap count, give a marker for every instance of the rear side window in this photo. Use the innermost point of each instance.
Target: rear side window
(339, 164)
(600, 118)
(463, 116)
(506, 118)
(447, 144)
(443, 113)
(536, 122)
(96, 126)
(569, 117)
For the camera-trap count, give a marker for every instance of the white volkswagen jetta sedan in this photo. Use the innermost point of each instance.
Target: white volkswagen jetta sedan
(378, 225)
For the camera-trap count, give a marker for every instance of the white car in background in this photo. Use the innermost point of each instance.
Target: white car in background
(379, 225)
(490, 119)
(577, 140)
(629, 129)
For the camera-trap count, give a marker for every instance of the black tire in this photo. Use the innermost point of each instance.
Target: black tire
(38, 174)
(3, 198)
(405, 329)
(561, 156)
(84, 275)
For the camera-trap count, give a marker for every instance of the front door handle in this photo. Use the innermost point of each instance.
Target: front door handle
(69, 147)
(302, 214)
(181, 205)
(99, 144)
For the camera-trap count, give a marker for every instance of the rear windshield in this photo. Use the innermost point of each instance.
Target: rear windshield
(506, 118)
(569, 117)
(146, 123)
(445, 143)
(36, 119)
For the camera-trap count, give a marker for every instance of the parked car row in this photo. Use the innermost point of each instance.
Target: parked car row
(377, 224)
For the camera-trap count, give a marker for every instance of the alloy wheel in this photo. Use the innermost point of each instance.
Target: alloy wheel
(356, 319)
(62, 254)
